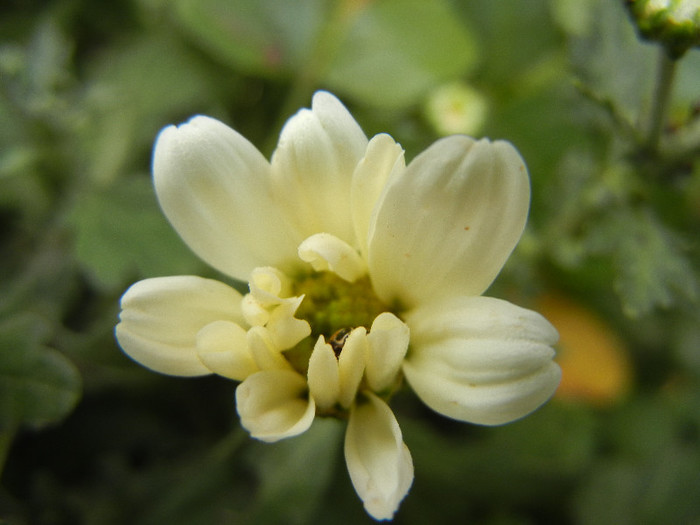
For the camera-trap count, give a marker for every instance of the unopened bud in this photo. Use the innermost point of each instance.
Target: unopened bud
(673, 23)
(456, 108)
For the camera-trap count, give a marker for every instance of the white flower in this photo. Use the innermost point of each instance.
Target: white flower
(361, 271)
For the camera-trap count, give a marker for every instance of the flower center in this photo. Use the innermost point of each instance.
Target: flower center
(331, 303)
(333, 307)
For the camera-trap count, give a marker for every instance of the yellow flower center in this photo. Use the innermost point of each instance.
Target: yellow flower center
(332, 307)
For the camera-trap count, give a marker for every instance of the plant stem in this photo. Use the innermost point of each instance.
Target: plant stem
(662, 96)
(327, 43)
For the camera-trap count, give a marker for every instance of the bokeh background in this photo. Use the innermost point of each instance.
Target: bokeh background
(610, 255)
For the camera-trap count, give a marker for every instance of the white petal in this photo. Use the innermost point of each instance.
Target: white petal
(327, 252)
(254, 313)
(382, 157)
(223, 348)
(214, 187)
(351, 365)
(285, 329)
(266, 355)
(273, 405)
(323, 376)
(268, 285)
(313, 164)
(160, 319)
(379, 463)
(480, 359)
(388, 342)
(447, 225)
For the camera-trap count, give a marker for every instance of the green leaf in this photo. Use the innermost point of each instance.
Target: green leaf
(49, 56)
(149, 75)
(651, 268)
(295, 473)
(660, 488)
(38, 385)
(268, 38)
(121, 234)
(612, 62)
(686, 335)
(384, 59)
(133, 90)
(196, 487)
(398, 49)
(517, 38)
(527, 460)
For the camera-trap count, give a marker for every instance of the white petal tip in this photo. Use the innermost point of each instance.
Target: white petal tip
(379, 463)
(327, 252)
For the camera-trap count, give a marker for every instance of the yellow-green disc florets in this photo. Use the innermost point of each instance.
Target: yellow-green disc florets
(331, 303)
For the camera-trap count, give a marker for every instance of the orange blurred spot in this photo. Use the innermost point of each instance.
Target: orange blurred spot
(595, 364)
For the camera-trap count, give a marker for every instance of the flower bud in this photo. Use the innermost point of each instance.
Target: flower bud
(673, 23)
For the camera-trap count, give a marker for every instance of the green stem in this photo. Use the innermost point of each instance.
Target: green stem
(331, 36)
(662, 96)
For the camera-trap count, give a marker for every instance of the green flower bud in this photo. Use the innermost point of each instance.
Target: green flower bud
(456, 108)
(673, 23)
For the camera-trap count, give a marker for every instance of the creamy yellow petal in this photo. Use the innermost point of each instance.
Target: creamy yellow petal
(286, 330)
(480, 359)
(327, 252)
(379, 463)
(223, 348)
(371, 175)
(161, 317)
(447, 224)
(274, 404)
(215, 189)
(313, 164)
(323, 376)
(351, 365)
(269, 285)
(266, 355)
(388, 342)
(254, 313)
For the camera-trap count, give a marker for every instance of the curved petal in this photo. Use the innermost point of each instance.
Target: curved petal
(265, 353)
(379, 463)
(388, 342)
(285, 329)
(274, 404)
(223, 348)
(253, 312)
(447, 224)
(327, 252)
(313, 164)
(351, 365)
(268, 285)
(382, 157)
(323, 376)
(214, 188)
(161, 317)
(480, 359)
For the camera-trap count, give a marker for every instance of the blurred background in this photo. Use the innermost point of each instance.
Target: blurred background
(610, 255)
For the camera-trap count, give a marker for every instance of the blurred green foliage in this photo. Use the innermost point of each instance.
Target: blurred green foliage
(87, 437)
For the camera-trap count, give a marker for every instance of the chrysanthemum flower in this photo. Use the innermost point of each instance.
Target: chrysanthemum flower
(362, 271)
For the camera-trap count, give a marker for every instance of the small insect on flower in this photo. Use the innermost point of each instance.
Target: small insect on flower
(337, 340)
